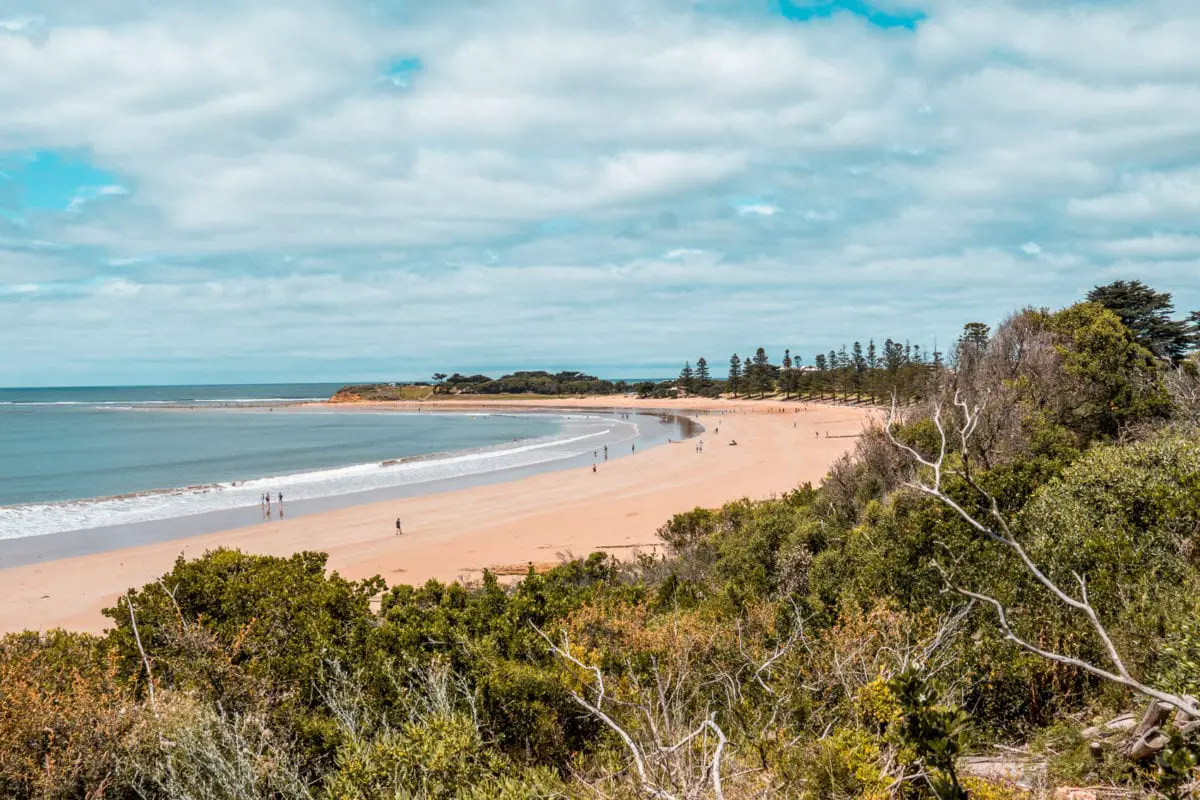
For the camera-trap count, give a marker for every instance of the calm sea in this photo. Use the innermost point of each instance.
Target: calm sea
(73, 459)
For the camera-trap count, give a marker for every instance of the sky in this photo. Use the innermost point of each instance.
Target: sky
(335, 190)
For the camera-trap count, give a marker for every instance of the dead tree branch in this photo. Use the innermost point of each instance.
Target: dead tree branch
(651, 774)
(998, 530)
(137, 637)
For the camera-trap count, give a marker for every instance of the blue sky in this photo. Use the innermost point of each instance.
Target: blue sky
(335, 190)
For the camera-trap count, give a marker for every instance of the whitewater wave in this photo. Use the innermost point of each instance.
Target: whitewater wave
(36, 519)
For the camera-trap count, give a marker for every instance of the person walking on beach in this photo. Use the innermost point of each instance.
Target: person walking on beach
(399, 529)
(593, 469)
(267, 498)
(281, 504)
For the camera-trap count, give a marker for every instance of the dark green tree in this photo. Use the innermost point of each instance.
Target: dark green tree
(822, 376)
(760, 376)
(872, 366)
(1148, 314)
(859, 366)
(703, 377)
(735, 374)
(687, 378)
(971, 345)
(786, 381)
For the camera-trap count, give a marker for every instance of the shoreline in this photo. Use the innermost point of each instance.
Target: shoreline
(530, 519)
(49, 547)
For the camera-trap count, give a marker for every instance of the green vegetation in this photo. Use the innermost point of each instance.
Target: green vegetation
(516, 384)
(852, 639)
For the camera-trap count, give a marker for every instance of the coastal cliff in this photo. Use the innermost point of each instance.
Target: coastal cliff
(347, 395)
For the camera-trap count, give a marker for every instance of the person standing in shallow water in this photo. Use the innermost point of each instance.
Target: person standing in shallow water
(281, 504)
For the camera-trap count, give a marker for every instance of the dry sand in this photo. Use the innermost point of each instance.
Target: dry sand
(457, 534)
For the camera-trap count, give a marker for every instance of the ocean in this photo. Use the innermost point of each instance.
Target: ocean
(83, 458)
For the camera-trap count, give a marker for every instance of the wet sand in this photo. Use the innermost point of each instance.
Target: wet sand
(448, 535)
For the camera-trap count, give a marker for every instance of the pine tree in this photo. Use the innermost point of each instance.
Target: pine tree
(822, 365)
(786, 377)
(971, 345)
(844, 365)
(859, 364)
(703, 378)
(872, 365)
(687, 378)
(760, 380)
(735, 374)
(1148, 314)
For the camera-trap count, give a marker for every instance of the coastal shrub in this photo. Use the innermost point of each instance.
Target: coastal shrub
(189, 749)
(489, 634)
(1127, 518)
(1178, 666)
(528, 712)
(441, 618)
(1113, 380)
(847, 764)
(277, 618)
(65, 712)
(439, 757)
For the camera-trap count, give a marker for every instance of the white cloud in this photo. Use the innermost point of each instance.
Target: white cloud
(19, 24)
(1157, 245)
(759, 209)
(560, 165)
(87, 194)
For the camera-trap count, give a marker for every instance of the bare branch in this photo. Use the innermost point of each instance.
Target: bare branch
(1137, 686)
(1002, 534)
(137, 637)
(638, 759)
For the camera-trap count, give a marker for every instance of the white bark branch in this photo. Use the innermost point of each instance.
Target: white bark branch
(1002, 534)
(137, 637)
(641, 761)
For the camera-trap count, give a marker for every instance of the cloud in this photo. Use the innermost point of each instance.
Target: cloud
(759, 209)
(348, 190)
(86, 194)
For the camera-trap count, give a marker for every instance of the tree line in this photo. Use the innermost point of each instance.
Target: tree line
(908, 372)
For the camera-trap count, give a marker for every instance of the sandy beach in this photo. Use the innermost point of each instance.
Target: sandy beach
(535, 519)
